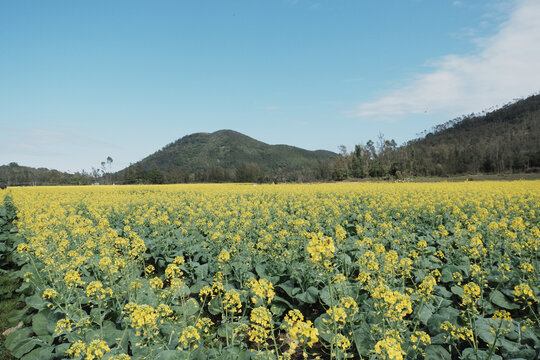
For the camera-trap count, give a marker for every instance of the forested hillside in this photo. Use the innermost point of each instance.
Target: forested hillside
(506, 140)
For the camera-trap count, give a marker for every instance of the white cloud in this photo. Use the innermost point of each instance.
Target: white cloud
(506, 66)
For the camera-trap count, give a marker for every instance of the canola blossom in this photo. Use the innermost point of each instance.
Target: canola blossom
(328, 271)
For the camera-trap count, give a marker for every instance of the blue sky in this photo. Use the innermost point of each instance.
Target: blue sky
(83, 80)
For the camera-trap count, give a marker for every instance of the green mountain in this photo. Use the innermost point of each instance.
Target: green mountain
(227, 155)
(504, 140)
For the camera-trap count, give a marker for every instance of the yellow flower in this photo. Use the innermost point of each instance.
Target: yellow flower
(224, 256)
(261, 320)
(342, 342)
(63, 325)
(527, 267)
(320, 247)
(425, 289)
(263, 290)
(204, 324)
(523, 292)
(502, 315)
(389, 348)
(156, 283)
(143, 318)
(396, 304)
(96, 349)
(73, 278)
(173, 271)
(76, 349)
(420, 338)
(95, 289)
(189, 336)
(337, 314)
(300, 331)
(231, 301)
(120, 357)
(49, 294)
(471, 294)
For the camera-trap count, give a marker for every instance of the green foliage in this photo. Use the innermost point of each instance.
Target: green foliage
(8, 297)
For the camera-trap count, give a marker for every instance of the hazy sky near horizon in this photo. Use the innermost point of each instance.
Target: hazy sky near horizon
(83, 80)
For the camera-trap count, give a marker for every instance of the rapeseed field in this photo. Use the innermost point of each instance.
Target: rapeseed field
(328, 271)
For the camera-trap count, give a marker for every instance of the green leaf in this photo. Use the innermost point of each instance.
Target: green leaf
(437, 352)
(444, 314)
(362, 340)
(35, 301)
(290, 288)
(458, 290)
(425, 313)
(485, 329)
(191, 307)
(447, 273)
(39, 353)
(17, 337)
(439, 339)
(279, 299)
(171, 355)
(509, 347)
(441, 290)
(261, 270)
(201, 271)
(325, 296)
(17, 315)
(196, 288)
(25, 286)
(277, 309)
(471, 354)
(227, 329)
(500, 300)
(322, 323)
(60, 350)
(111, 334)
(215, 306)
(183, 291)
(525, 353)
(25, 347)
(40, 322)
(309, 296)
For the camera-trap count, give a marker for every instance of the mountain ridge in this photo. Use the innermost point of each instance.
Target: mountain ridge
(505, 140)
(221, 155)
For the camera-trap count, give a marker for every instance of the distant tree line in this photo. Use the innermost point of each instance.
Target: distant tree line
(249, 172)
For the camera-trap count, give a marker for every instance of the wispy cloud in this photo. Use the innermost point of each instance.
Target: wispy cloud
(505, 66)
